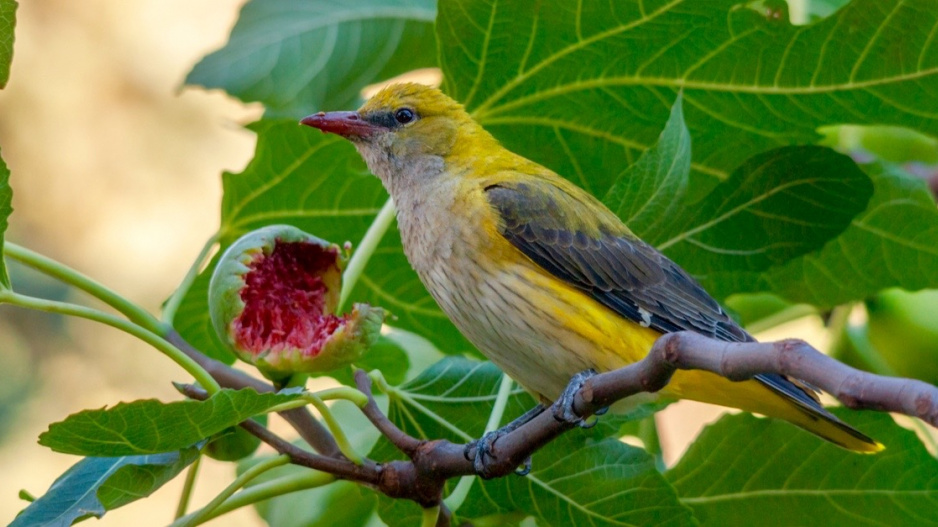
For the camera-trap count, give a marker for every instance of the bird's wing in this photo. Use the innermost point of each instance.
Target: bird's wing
(596, 253)
(601, 257)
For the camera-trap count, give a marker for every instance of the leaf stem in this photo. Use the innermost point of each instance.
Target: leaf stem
(308, 479)
(340, 438)
(331, 394)
(461, 491)
(187, 488)
(430, 516)
(64, 308)
(202, 514)
(344, 392)
(173, 302)
(70, 276)
(364, 251)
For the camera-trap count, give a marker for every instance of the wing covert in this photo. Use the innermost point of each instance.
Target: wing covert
(601, 257)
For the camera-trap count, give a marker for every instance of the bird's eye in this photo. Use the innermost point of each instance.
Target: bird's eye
(404, 115)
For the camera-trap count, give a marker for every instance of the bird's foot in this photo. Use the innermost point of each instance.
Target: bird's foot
(482, 451)
(563, 409)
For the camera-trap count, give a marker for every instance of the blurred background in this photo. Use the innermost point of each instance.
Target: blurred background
(116, 172)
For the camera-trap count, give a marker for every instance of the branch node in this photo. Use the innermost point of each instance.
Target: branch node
(849, 392)
(790, 353)
(926, 408)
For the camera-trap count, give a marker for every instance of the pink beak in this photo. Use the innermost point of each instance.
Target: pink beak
(346, 124)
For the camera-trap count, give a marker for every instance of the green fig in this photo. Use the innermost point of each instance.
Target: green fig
(272, 299)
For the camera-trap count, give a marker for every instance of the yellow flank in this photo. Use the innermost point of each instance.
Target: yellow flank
(618, 342)
(536, 272)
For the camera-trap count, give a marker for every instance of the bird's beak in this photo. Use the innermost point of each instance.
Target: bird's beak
(346, 124)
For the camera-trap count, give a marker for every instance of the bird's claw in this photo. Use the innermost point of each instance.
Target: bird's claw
(525, 467)
(484, 450)
(563, 409)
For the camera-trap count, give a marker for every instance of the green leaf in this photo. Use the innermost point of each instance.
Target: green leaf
(193, 322)
(778, 205)
(314, 181)
(6, 207)
(7, 23)
(745, 467)
(150, 426)
(234, 443)
(297, 57)
(584, 483)
(339, 503)
(573, 477)
(451, 400)
(96, 485)
(597, 79)
(894, 242)
(651, 191)
(319, 184)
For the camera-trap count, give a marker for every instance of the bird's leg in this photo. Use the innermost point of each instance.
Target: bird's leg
(485, 446)
(563, 409)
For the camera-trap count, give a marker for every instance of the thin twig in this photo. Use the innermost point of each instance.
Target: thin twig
(406, 444)
(311, 430)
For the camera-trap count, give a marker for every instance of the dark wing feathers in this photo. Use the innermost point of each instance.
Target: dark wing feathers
(616, 268)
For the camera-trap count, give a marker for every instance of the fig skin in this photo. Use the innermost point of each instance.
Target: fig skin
(290, 325)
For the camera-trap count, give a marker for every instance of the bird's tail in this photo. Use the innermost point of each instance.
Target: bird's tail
(773, 396)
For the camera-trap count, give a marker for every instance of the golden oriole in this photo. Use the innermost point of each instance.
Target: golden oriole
(537, 273)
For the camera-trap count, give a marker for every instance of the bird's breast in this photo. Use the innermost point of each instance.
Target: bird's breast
(536, 328)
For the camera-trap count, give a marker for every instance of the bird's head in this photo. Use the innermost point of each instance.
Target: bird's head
(405, 131)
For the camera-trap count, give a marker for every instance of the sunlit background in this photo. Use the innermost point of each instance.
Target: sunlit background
(116, 172)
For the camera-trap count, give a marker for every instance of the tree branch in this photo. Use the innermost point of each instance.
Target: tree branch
(432, 462)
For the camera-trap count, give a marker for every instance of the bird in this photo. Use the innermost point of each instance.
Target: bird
(536, 272)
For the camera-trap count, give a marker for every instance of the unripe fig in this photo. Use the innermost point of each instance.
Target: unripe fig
(272, 299)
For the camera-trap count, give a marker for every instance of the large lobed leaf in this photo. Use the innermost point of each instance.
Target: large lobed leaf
(579, 479)
(777, 206)
(96, 485)
(745, 467)
(650, 193)
(7, 23)
(584, 483)
(297, 57)
(893, 243)
(595, 80)
(6, 207)
(151, 427)
(598, 78)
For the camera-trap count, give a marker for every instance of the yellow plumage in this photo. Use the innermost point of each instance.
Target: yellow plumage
(536, 272)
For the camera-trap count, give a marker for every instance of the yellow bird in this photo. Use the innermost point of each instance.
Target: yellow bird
(536, 272)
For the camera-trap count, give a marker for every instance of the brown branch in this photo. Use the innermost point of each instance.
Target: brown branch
(406, 444)
(433, 462)
(796, 358)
